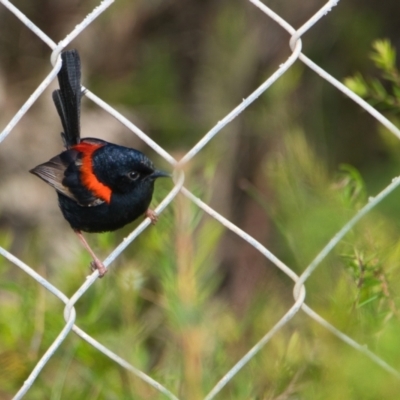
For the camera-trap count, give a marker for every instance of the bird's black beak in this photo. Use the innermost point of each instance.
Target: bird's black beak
(160, 174)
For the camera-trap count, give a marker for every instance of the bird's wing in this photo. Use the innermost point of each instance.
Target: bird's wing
(67, 99)
(63, 173)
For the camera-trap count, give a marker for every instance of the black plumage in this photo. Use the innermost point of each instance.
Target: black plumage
(100, 186)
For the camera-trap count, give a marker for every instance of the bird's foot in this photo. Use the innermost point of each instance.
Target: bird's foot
(97, 264)
(152, 215)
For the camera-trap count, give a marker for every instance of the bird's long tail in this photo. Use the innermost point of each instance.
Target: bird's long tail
(67, 99)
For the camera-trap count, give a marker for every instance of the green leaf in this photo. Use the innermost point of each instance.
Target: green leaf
(357, 84)
(384, 55)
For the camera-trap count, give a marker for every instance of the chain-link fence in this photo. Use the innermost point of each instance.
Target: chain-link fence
(299, 290)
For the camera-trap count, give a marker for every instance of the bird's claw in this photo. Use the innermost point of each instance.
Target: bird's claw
(152, 215)
(97, 264)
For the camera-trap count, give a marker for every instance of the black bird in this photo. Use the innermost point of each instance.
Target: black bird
(100, 186)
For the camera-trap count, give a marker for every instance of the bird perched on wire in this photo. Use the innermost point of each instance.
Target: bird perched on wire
(100, 186)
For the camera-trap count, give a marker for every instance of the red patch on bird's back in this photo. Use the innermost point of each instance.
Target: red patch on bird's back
(88, 177)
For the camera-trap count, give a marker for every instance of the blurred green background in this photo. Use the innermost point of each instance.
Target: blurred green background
(188, 299)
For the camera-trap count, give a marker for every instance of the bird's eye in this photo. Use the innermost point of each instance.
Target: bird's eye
(133, 175)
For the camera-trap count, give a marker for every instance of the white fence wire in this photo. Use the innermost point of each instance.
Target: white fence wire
(299, 291)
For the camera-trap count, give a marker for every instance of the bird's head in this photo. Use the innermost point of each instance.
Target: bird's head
(123, 169)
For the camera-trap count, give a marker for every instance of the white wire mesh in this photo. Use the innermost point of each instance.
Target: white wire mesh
(299, 281)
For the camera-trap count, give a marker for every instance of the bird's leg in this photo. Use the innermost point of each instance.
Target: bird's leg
(152, 215)
(96, 263)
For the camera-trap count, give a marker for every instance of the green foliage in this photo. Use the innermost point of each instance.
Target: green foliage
(356, 287)
(384, 92)
(372, 262)
(158, 306)
(351, 186)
